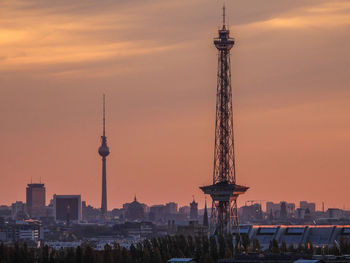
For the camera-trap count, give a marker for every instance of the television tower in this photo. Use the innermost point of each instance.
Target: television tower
(224, 191)
(104, 152)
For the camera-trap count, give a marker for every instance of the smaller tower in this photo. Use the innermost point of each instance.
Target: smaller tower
(193, 210)
(104, 152)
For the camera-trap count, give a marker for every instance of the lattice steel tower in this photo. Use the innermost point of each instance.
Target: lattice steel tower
(104, 152)
(224, 190)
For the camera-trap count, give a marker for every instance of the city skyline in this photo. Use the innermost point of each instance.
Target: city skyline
(290, 99)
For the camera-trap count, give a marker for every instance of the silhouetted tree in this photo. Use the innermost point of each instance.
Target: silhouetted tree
(126, 256)
(78, 255)
(206, 259)
(213, 248)
(283, 247)
(238, 244)
(70, 256)
(198, 253)
(44, 258)
(291, 248)
(273, 247)
(344, 245)
(205, 245)
(107, 254)
(256, 246)
(88, 255)
(309, 249)
(245, 243)
(300, 249)
(222, 246)
(117, 253)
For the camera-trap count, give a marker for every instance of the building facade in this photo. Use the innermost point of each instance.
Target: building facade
(36, 200)
(67, 208)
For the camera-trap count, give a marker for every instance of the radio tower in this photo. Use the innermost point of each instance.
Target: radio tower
(224, 191)
(104, 152)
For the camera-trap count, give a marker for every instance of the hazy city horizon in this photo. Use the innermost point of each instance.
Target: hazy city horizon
(290, 85)
(175, 131)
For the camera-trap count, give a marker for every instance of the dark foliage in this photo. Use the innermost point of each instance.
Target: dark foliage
(159, 250)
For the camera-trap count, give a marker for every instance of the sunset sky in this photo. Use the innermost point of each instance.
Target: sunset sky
(156, 63)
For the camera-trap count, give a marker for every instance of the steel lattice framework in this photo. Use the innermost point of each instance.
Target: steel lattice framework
(224, 190)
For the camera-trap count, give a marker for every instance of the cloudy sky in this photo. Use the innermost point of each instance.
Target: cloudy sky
(156, 63)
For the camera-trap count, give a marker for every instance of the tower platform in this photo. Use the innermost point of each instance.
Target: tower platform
(224, 191)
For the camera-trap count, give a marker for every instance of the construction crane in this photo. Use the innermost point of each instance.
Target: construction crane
(254, 201)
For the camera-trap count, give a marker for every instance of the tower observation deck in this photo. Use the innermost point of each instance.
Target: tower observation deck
(224, 191)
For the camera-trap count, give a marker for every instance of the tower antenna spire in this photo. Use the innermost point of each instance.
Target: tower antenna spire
(104, 115)
(223, 15)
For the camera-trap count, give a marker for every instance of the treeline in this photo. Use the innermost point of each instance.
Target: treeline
(159, 250)
(155, 250)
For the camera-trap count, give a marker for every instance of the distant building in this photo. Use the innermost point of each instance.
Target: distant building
(19, 210)
(157, 213)
(251, 212)
(335, 213)
(185, 210)
(280, 210)
(5, 211)
(273, 209)
(36, 200)
(67, 208)
(134, 211)
(28, 230)
(90, 213)
(171, 208)
(283, 211)
(308, 206)
(300, 213)
(318, 235)
(192, 229)
(193, 210)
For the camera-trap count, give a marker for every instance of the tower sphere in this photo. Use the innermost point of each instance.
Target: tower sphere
(103, 150)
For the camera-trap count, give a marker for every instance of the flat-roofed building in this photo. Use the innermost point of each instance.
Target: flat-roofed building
(36, 200)
(318, 235)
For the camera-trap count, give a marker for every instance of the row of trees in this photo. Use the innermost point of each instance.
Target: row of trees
(158, 250)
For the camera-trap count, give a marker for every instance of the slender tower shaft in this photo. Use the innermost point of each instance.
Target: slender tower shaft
(224, 190)
(104, 152)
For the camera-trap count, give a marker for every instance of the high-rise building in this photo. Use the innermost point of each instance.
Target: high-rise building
(36, 199)
(67, 208)
(104, 152)
(224, 191)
